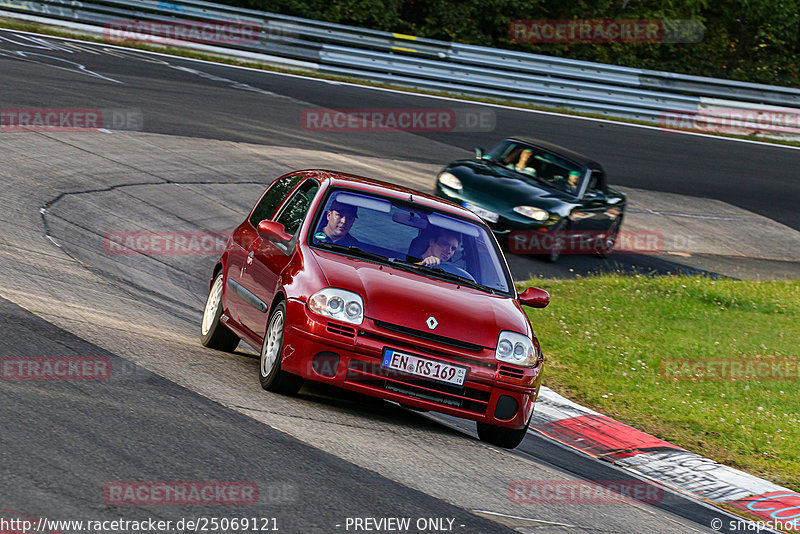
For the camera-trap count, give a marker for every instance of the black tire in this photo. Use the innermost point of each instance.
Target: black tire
(270, 375)
(610, 239)
(214, 334)
(499, 436)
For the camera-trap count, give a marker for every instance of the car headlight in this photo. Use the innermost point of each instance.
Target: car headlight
(536, 214)
(515, 348)
(446, 178)
(338, 304)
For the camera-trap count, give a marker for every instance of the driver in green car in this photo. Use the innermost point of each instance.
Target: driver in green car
(573, 182)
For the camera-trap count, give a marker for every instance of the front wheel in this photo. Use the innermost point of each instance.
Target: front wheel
(270, 375)
(558, 245)
(606, 246)
(213, 333)
(500, 436)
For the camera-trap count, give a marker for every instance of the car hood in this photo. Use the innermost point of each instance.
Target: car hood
(408, 300)
(496, 187)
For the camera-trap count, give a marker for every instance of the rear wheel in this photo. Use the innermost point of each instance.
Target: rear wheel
(270, 375)
(500, 436)
(213, 333)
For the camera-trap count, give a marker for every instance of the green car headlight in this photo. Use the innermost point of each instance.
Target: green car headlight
(537, 214)
(450, 181)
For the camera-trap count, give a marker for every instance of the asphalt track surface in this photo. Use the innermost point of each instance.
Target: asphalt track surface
(64, 441)
(176, 411)
(217, 102)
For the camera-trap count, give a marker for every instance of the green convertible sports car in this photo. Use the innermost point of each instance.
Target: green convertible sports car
(541, 198)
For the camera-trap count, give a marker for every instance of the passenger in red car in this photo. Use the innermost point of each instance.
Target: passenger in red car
(340, 219)
(441, 248)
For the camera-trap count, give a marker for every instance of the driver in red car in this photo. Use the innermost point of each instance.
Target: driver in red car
(340, 218)
(441, 248)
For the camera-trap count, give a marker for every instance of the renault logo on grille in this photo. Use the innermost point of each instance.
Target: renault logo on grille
(432, 323)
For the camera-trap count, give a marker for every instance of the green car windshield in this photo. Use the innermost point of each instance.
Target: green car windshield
(533, 163)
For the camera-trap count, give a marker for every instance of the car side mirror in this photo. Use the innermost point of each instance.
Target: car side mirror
(478, 152)
(272, 231)
(535, 297)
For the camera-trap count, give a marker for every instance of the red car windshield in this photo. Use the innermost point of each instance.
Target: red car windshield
(410, 237)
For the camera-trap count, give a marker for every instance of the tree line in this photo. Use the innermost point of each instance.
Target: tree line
(747, 40)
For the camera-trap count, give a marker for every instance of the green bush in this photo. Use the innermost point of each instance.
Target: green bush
(748, 40)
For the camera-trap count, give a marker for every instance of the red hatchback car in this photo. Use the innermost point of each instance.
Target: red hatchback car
(381, 290)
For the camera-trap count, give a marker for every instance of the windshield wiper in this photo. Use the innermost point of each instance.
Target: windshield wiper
(438, 271)
(353, 250)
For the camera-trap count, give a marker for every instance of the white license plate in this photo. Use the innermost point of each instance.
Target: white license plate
(483, 213)
(414, 365)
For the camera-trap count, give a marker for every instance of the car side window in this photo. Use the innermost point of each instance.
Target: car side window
(596, 182)
(296, 208)
(273, 198)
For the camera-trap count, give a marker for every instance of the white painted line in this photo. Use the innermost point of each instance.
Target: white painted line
(525, 518)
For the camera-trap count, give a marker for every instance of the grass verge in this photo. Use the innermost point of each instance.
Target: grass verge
(643, 350)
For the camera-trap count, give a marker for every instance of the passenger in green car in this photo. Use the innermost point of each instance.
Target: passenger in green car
(522, 163)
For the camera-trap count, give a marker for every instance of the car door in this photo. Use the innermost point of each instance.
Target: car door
(238, 301)
(590, 216)
(266, 259)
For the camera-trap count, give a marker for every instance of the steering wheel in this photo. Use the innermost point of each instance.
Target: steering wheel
(456, 270)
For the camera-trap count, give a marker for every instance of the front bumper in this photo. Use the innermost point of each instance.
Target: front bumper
(350, 357)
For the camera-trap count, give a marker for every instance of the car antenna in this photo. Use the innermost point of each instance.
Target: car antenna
(411, 198)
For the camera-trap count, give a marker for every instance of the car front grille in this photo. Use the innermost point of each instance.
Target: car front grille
(430, 337)
(371, 374)
(409, 342)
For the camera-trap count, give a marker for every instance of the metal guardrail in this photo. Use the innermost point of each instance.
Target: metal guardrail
(435, 65)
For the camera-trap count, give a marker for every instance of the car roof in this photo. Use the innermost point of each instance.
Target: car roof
(569, 154)
(371, 185)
